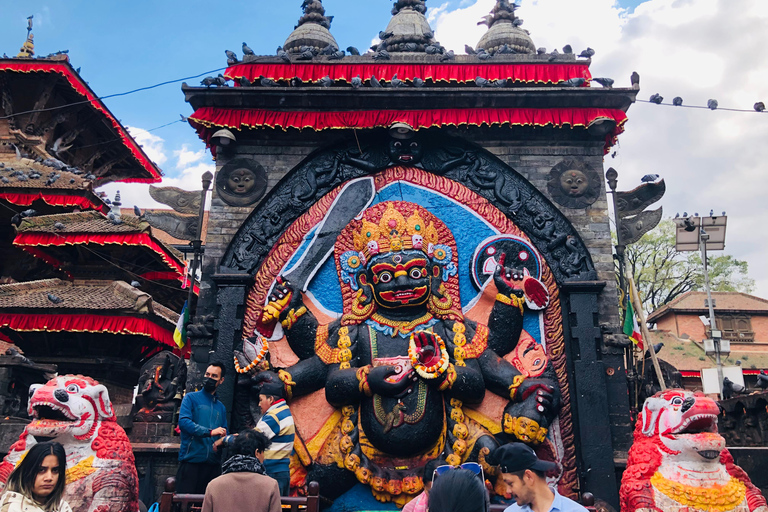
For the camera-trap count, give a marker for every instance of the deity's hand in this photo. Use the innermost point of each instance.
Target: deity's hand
(282, 301)
(386, 381)
(508, 281)
(541, 393)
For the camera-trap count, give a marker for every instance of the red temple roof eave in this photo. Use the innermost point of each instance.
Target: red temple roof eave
(82, 88)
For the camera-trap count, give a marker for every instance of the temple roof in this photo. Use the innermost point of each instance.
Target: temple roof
(312, 30)
(504, 31)
(65, 119)
(694, 303)
(23, 181)
(55, 305)
(408, 31)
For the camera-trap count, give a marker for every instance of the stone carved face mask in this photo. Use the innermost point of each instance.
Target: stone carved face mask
(574, 183)
(241, 181)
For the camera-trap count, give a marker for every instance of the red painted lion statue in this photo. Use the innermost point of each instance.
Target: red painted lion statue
(76, 411)
(678, 462)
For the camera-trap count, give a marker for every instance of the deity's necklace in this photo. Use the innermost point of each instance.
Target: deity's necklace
(401, 325)
(715, 498)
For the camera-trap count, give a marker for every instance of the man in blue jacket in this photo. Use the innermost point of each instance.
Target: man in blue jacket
(202, 418)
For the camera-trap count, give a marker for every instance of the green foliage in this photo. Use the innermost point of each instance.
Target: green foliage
(663, 274)
(678, 347)
(745, 357)
(702, 358)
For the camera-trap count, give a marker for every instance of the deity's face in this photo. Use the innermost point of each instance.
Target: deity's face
(241, 181)
(525, 429)
(399, 279)
(363, 474)
(411, 484)
(530, 357)
(352, 462)
(574, 182)
(378, 483)
(405, 151)
(394, 487)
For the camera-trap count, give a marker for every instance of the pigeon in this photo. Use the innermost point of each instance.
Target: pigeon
(505, 50)
(469, 50)
(208, 81)
(136, 284)
(325, 81)
(712, 104)
(59, 226)
(384, 35)
(711, 213)
(338, 55)
(267, 82)
(501, 82)
(484, 55)
(4, 179)
(247, 50)
(90, 177)
(296, 82)
(541, 51)
(137, 211)
(762, 380)
(329, 50)
(482, 82)
(656, 98)
(517, 22)
(759, 106)
(677, 101)
(605, 82)
(283, 55)
(306, 54)
(353, 51)
(357, 82)
(244, 82)
(487, 21)
(449, 55)
(657, 347)
(649, 178)
(375, 83)
(382, 55)
(231, 56)
(635, 78)
(24, 177)
(396, 82)
(418, 83)
(574, 82)
(52, 180)
(677, 215)
(588, 53)
(55, 299)
(432, 49)
(567, 49)
(28, 213)
(411, 47)
(221, 81)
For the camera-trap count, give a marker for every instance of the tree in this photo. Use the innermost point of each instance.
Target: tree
(663, 274)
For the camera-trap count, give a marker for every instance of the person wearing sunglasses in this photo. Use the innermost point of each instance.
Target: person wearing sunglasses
(458, 489)
(523, 476)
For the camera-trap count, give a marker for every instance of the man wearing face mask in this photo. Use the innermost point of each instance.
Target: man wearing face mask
(202, 419)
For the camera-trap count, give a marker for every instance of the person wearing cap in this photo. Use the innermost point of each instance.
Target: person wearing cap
(277, 424)
(523, 475)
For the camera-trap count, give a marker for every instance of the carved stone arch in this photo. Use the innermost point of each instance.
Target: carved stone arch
(476, 168)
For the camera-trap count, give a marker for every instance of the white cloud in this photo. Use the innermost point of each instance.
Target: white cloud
(187, 157)
(152, 145)
(696, 49)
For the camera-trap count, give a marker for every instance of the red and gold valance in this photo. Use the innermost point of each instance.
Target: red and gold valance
(208, 117)
(38, 253)
(54, 200)
(58, 239)
(36, 66)
(437, 72)
(87, 323)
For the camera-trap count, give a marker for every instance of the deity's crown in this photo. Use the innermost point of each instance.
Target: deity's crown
(395, 233)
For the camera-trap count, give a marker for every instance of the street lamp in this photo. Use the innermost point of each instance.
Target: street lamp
(703, 234)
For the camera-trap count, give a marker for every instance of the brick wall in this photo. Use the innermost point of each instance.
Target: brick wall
(687, 323)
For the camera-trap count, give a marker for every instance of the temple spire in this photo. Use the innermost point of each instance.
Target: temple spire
(504, 29)
(28, 48)
(408, 30)
(312, 30)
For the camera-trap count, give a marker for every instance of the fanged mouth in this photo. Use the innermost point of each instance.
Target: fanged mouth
(49, 411)
(709, 454)
(405, 158)
(698, 424)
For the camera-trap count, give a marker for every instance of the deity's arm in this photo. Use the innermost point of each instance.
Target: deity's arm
(469, 386)
(500, 376)
(505, 323)
(306, 376)
(465, 344)
(336, 346)
(300, 326)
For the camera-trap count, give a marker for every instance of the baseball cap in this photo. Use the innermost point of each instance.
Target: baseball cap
(514, 457)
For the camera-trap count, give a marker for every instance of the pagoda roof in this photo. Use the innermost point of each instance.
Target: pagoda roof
(54, 305)
(725, 302)
(507, 90)
(65, 108)
(24, 181)
(52, 237)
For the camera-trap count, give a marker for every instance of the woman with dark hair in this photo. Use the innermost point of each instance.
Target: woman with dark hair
(458, 490)
(37, 483)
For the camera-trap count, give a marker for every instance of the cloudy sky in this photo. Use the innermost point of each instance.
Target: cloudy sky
(695, 49)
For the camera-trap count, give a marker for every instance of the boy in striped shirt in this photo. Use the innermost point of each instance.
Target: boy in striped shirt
(277, 424)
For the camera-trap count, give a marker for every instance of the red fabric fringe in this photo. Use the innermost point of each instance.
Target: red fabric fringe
(47, 239)
(87, 323)
(529, 73)
(38, 253)
(81, 88)
(207, 117)
(54, 200)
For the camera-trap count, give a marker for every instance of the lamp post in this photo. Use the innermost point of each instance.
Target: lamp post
(197, 243)
(703, 234)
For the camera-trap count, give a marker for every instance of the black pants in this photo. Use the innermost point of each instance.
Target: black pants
(193, 477)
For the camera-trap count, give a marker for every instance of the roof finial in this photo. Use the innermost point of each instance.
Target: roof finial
(314, 12)
(504, 33)
(312, 32)
(28, 48)
(409, 30)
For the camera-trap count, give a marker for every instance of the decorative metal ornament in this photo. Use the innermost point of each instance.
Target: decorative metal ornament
(241, 182)
(573, 184)
(183, 201)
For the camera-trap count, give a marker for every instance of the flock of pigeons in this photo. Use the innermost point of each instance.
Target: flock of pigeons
(380, 53)
(712, 104)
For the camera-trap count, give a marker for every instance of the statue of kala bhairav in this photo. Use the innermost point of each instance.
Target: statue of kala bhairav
(402, 360)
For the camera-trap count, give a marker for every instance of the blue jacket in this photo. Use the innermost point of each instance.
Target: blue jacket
(200, 413)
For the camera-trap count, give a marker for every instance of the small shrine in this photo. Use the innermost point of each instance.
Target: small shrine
(417, 245)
